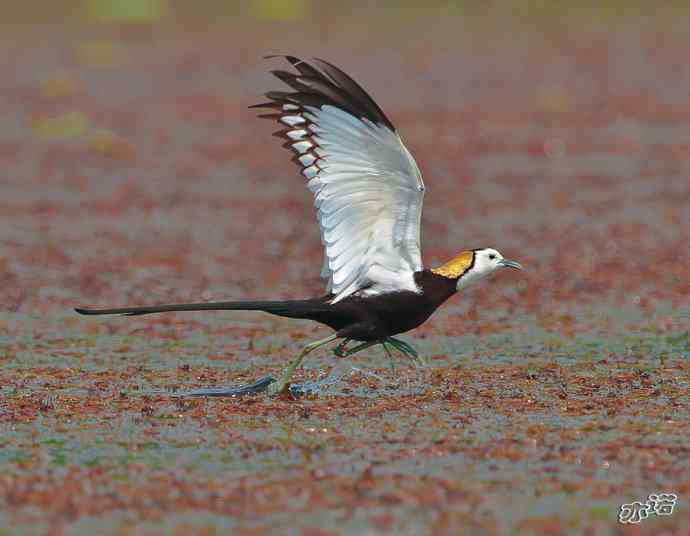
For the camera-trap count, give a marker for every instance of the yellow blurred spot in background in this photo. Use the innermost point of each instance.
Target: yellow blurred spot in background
(553, 98)
(60, 84)
(105, 142)
(61, 127)
(278, 9)
(103, 54)
(127, 11)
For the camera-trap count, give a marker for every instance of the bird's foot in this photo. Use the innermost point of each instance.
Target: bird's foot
(282, 386)
(407, 350)
(403, 347)
(318, 387)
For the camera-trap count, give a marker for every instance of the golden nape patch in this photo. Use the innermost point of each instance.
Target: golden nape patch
(456, 266)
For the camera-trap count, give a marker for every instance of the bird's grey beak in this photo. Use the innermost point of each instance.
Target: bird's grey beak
(507, 263)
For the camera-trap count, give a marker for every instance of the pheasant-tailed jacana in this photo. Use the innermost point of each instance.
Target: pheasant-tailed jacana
(368, 193)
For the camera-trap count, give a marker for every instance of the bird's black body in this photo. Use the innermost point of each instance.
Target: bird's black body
(374, 318)
(361, 318)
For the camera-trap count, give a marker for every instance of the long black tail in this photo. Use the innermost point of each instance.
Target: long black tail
(291, 309)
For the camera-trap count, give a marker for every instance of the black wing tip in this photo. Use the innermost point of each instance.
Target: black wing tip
(289, 57)
(292, 60)
(355, 91)
(350, 96)
(263, 105)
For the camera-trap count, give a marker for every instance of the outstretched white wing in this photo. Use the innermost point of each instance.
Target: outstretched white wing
(367, 187)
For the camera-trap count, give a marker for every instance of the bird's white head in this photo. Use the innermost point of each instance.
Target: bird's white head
(470, 266)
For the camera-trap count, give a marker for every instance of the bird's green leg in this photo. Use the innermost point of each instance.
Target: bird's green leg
(390, 356)
(279, 386)
(358, 348)
(407, 350)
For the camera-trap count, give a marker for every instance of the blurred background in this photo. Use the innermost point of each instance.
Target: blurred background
(133, 171)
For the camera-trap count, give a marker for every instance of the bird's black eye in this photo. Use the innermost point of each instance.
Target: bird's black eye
(492, 256)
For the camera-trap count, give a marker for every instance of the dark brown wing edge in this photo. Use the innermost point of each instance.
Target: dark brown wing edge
(316, 88)
(325, 85)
